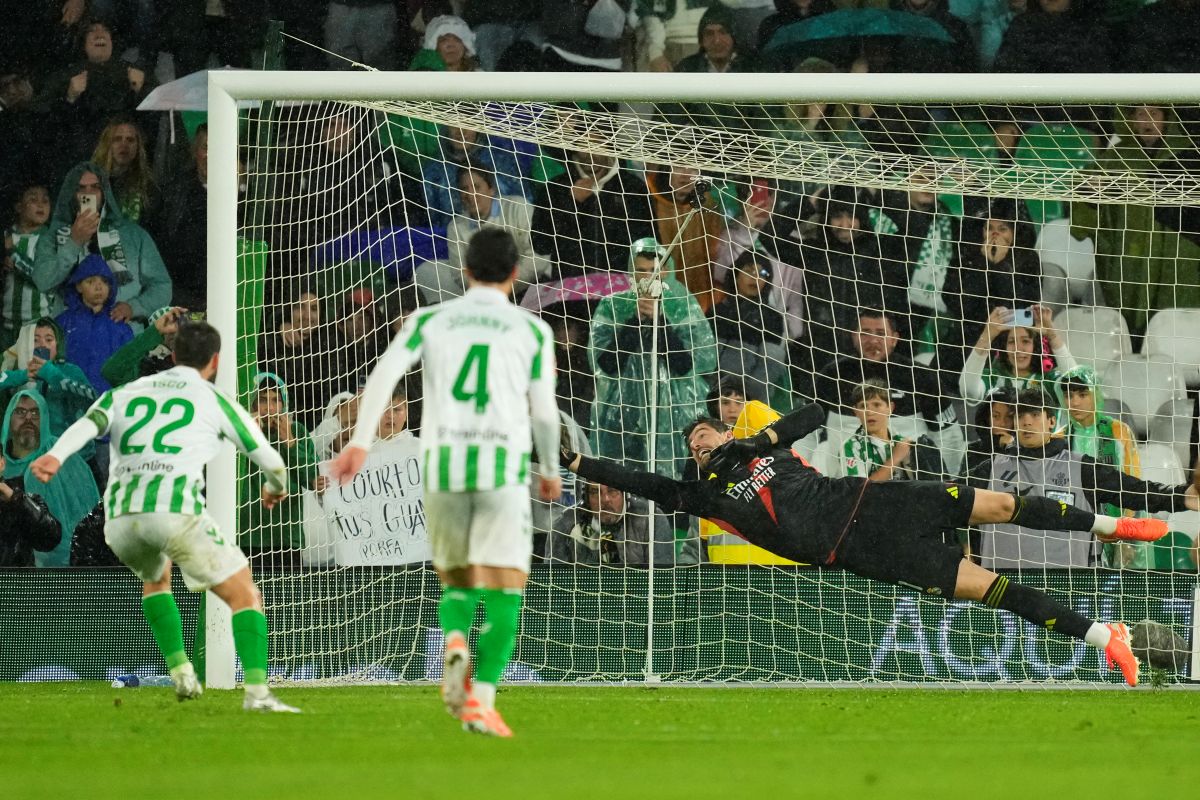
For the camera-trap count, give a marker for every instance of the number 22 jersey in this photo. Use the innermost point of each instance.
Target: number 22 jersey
(164, 429)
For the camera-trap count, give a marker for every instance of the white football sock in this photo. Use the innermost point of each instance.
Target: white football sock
(1098, 635)
(485, 693)
(258, 690)
(185, 668)
(1104, 525)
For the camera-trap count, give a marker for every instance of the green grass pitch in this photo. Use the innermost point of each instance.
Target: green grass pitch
(74, 740)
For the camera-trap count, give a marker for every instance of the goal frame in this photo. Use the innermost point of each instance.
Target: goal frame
(227, 87)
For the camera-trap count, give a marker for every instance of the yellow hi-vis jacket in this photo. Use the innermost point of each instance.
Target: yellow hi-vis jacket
(726, 548)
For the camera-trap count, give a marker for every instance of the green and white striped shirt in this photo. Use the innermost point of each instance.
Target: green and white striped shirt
(864, 453)
(489, 390)
(23, 302)
(164, 429)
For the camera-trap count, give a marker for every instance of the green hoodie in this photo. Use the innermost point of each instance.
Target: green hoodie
(70, 494)
(142, 279)
(281, 528)
(1141, 265)
(1109, 442)
(620, 422)
(67, 391)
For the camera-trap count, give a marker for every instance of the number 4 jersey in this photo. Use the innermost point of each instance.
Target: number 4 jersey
(164, 429)
(488, 370)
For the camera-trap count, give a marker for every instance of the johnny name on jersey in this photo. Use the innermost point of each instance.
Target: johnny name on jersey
(488, 366)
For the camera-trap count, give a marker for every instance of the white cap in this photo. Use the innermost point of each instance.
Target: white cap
(439, 26)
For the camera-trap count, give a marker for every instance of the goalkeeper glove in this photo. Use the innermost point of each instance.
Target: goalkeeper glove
(739, 451)
(566, 457)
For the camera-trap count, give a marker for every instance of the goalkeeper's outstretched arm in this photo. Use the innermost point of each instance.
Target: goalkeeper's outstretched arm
(794, 425)
(671, 495)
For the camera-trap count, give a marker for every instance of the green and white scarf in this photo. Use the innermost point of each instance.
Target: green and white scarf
(865, 454)
(882, 223)
(113, 252)
(932, 262)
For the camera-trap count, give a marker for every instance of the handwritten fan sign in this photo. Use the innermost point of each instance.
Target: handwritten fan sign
(379, 517)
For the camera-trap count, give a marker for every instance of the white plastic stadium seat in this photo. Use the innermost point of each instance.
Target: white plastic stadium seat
(1055, 291)
(839, 427)
(1187, 522)
(828, 459)
(951, 442)
(1175, 334)
(808, 448)
(1095, 336)
(1160, 464)
(1074, 258)
(818, 452)
(912, 426)
(1172, 426)
(1145, 386)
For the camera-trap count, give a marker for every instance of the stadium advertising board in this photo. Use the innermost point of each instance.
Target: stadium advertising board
(711, 623)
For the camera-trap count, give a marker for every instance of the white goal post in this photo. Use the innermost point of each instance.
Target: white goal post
(228, 87)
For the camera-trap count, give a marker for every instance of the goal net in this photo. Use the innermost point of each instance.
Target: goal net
(914, 267)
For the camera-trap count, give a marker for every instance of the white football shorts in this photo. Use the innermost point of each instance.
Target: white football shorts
(144, 542)
(491, 529)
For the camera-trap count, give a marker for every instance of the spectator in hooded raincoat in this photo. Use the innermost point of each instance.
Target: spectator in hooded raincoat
(619, 351)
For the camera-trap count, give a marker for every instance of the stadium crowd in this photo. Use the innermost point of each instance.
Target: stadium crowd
(934, 329)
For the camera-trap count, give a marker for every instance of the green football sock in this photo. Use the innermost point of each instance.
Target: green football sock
(163, 616)
(456, 610)
(498, 638)
(250, 641)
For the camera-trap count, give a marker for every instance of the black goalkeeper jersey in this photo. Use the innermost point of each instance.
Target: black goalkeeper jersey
(777, 501)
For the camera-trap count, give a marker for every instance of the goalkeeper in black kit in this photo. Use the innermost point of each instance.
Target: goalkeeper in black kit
(760, 489)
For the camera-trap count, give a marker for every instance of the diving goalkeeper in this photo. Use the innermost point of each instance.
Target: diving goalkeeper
(761, 490)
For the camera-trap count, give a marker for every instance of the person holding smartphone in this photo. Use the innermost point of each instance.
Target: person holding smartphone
(62, 384)
(87, 220)
(1018, 349)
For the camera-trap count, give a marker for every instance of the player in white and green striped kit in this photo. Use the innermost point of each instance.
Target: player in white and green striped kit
(164, 429)
(489, 379)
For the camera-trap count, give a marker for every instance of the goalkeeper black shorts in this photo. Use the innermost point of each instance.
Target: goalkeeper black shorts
(896, 536)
